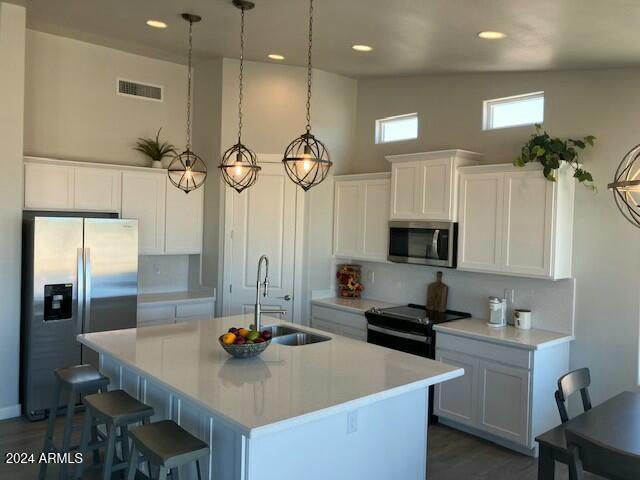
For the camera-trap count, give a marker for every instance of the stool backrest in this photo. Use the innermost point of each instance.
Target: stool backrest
(599, 459)
(569, 384)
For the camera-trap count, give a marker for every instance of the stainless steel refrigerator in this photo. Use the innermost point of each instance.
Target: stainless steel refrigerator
(79, 275)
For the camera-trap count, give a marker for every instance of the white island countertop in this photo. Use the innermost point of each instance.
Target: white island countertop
(533, 339)
(285, 386)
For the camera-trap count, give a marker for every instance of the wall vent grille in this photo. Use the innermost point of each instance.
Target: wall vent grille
(140, 90)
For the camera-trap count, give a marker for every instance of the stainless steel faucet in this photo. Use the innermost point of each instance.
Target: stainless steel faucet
(258, 311)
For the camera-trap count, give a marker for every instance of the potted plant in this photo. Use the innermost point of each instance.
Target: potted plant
(156, 151)
(551, 152)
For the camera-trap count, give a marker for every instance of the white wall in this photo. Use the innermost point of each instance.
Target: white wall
(273, 115)
(12, 53)
(72, 110)
(606, 258)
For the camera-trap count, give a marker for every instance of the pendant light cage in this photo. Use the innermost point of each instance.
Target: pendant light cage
(306, 159)
(239, 165)
(626, 186)
(188, 171)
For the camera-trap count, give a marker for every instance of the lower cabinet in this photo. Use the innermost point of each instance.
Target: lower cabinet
(340, 322)
(150, 314)
(506, 393)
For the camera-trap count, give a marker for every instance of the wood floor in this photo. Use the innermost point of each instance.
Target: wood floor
(452, 455)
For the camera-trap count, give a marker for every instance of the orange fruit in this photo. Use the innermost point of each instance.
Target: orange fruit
(228, 338)
(244, 332)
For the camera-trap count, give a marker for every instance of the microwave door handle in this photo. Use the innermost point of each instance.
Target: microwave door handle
(435, 242)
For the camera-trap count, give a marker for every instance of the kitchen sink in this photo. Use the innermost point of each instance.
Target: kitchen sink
(299, 338)
(280, 330)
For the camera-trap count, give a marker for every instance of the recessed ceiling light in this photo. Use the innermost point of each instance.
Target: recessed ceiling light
(362, 48)
(156, 24)
(275, 56)
(489, 35)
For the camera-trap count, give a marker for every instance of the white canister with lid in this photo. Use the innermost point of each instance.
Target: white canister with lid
(522, 318)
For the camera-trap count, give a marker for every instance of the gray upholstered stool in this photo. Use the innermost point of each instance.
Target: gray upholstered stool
(75, 381)
(116, 410)
(167, 446)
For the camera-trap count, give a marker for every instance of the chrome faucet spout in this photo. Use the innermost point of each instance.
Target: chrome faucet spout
(257, 312)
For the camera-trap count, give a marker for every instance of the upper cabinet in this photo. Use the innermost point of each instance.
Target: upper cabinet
(361, 213)
(184, 220)
(514, 221)
(169, 220)
(143, 198)
(424, 186)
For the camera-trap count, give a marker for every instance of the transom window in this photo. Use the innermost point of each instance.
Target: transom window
(527, 109)
(398, 128)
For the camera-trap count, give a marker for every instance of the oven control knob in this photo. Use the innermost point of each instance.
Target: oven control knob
(375, 310)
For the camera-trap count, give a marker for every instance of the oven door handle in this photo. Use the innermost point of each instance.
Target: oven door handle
(396, 333)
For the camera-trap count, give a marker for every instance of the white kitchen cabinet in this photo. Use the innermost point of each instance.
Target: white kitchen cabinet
(184, 220)
(143, 198)
(48, 187)
(361, 207)
(340, 322)
(97, 189)
(506, 393)
(513, 221)
(424, 186)
(165, 312)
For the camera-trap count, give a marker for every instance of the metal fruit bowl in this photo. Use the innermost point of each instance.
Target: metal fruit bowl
(246, 350)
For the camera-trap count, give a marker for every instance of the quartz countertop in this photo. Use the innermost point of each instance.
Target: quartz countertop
(176, 297)
(356, 305)
(284, 386)
(533, 339)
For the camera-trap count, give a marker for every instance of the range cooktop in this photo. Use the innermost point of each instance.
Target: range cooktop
(417, 314)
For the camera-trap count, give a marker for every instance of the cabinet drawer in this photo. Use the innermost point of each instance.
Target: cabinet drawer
(325, 325)
(499, 353)
(154, 315)
(347, 319)
(202, 309)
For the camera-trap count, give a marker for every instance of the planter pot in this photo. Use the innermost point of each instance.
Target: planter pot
(156, 164)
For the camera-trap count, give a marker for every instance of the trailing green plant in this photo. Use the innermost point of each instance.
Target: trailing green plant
(153, 149)
(551, 152)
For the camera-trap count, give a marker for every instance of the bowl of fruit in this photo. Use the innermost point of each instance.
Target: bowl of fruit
(245, 343)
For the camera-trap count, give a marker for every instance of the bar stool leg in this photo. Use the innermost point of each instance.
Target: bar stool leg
(124, 442)
(133, 463)
(84, 441)
(48, 439)
(109, 454)
(68, 426)
(198, 469)
(163, 473)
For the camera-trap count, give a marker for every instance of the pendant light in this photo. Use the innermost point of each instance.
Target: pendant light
(239, 166)
(306, 160)
(626, 186)
(187, 171)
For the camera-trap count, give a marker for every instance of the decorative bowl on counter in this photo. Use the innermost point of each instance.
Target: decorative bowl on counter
(245, 343)
(246, 350)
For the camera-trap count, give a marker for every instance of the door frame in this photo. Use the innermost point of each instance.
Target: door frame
(227, 238)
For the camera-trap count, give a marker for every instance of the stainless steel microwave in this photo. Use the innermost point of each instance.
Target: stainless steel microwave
(423, 243)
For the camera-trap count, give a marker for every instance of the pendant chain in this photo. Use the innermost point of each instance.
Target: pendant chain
(189, 86)
(241, 77)
(309, 66)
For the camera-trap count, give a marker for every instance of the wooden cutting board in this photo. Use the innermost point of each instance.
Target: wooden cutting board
(437, 293)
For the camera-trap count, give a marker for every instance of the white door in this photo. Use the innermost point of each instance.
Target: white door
(98, 189)
(456, 399)
(375, 221)
(480, 212)
(528, 216)
(143, 198)
(260, 221)
(184, 220)
(48, 187)
(436, 200)
(407, 190)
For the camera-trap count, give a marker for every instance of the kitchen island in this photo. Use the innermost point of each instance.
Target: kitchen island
(339, 409)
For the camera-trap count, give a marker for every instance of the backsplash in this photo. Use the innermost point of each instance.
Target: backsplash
(552, 302)
(163, 273)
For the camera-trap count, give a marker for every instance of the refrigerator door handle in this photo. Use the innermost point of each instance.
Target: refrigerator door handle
(80, 289)
(87, 290)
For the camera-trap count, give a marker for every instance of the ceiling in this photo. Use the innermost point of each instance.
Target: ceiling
(408, 36)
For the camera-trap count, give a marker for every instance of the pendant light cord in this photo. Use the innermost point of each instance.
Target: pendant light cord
(241, 76)
(189, 86)
(309, 66)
